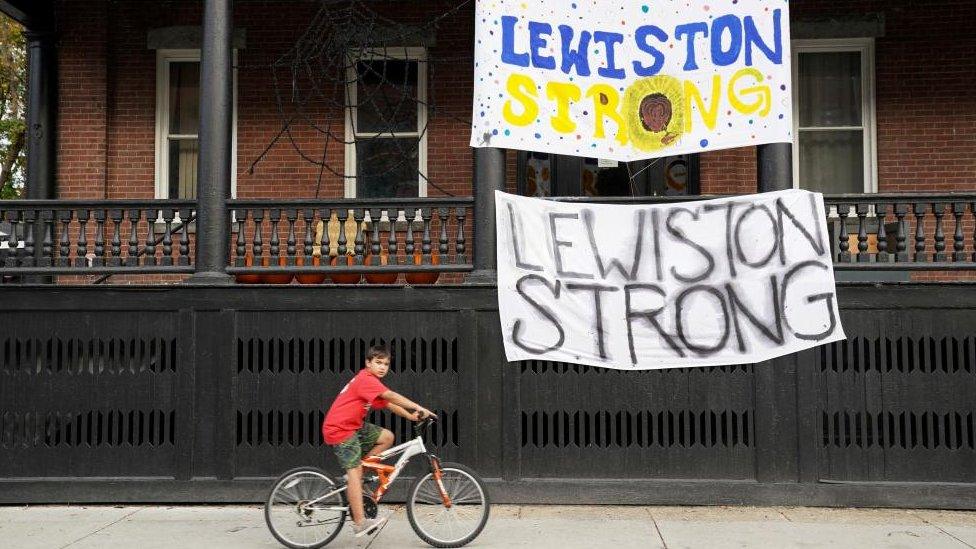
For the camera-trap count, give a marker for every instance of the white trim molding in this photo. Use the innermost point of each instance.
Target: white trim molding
(411, 53)
(865, 46)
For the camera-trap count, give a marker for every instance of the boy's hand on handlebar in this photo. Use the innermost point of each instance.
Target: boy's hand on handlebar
(421, 413)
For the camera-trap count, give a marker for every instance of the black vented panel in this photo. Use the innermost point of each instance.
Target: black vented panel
(91, 394)
(288, 370)
(599, 422)
(897, 398)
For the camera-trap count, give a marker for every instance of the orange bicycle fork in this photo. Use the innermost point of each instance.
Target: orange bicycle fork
(435, 469)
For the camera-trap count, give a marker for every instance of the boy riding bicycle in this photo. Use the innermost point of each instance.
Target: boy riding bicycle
(352, 438)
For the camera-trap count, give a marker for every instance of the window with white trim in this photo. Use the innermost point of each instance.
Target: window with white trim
(834, 150)
(386, 118)
(177, 124)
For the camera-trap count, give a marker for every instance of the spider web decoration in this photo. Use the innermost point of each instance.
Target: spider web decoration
(351, 60)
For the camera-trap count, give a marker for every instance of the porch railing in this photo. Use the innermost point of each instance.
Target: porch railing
(413, 236)
(379, 238)
(47, 237)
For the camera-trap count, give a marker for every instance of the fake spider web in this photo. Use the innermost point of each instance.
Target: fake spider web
(353, 61)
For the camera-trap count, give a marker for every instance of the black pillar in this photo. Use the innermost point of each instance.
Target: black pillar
(489, 176)
(774, 167)
(216, 126)
(42, 108)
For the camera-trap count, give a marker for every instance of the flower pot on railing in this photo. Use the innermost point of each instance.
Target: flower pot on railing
(414, 279)
(276, 278)
(248, 278)
(380, 278)
(310, 278)
(351, 278)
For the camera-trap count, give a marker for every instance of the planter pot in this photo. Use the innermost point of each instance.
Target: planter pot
(345, 278)
(276, 278)
(423, 278)
(248, 278)
(380, 278)
(311, 278)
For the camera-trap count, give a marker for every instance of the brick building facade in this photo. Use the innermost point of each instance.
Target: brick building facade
(925, 115)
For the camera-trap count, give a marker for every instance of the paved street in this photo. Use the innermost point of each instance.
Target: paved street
(562, 527)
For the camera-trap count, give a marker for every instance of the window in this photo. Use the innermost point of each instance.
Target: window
(386, 150)
(833, 116)
(177, 124)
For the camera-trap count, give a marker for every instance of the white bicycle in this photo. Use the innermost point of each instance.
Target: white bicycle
(447, 506)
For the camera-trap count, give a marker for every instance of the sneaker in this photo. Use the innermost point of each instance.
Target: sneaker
(368, 526)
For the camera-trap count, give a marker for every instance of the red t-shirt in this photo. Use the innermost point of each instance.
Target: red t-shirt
(349, 410)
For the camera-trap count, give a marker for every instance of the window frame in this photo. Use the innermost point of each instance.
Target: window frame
(164, 57)
(864, 46)
(406, 53)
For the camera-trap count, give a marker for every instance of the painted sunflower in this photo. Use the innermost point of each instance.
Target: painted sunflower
(654, 110)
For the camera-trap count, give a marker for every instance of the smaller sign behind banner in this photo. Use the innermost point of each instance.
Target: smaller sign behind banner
(627, 80)
(727, 281)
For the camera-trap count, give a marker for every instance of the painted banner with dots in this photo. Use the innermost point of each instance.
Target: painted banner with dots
(631, 79)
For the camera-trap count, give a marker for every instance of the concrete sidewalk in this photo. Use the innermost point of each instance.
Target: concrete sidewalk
(562, 527)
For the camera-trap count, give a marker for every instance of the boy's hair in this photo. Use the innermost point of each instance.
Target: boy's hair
(377, 351)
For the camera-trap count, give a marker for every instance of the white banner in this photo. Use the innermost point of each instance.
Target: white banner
(727, 281)
(627, 80)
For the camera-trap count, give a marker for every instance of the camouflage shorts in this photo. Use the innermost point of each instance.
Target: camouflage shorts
(351, 451)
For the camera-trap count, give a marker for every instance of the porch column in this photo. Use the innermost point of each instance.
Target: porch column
(774, 167)
(42, 108)
(216, 125)
(489, 176)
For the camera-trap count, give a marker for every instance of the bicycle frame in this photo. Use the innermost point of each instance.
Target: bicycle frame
(388, 473)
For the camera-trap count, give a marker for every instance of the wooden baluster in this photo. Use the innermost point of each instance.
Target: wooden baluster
(862, 233)
(184, 258)
(958, 240)
(358, 216)
(325, 215)
(64, 243)
(151, 215)
(409, 214)
(291, 243)
(919, 210)
(459, 245)
(99, 260)
(843, 240)
(7, 254)
(274, 216)
(374, 241)
(901, 236)
(133, 257)
(116, 259)
(240, 252)
(47, 238)
(938, 208)
(308, 214)
(341, 214)
(81, 254)
(426, 214)
(443, 217)
(881, 213)
(168, 214)
(258, 241)
(27, 259)
(391, 239)
(16, 252)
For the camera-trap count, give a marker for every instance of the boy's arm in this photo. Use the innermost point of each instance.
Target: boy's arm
(404, 402)
(402, 412)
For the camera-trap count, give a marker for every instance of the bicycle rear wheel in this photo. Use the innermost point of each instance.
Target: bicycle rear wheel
(443, 526)
(296, 523)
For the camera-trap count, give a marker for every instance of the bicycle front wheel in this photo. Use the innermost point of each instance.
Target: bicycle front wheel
(296, 515)
(448, 526)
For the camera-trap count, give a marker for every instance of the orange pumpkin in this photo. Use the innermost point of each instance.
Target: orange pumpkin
(423, 278)
(283, 278)
(311, 278)
(380, 278)
(248, 278)
(351, 278)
